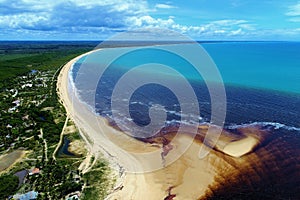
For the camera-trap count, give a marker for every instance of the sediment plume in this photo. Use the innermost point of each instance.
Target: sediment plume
(247, 162)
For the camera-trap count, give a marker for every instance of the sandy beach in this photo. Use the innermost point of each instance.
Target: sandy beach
(196, 174)
(98, 143)
(187, 178)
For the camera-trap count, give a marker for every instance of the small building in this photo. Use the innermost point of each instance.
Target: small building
(17, 102)
(27, 85)
(34, 171)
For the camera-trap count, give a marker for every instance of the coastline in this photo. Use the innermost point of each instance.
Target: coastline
(188, 177)
(85, 130)
(153, 185)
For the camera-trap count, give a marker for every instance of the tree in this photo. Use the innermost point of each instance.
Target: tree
(8, 185)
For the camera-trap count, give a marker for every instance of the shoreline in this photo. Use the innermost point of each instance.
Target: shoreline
(159, 184)
(188, 177)
(93, 150)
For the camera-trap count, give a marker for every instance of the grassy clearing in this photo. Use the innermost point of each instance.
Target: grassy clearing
(8, 160)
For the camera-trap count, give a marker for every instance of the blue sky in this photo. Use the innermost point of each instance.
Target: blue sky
(198, 19)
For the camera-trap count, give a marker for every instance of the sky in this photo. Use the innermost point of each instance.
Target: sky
(197, 19)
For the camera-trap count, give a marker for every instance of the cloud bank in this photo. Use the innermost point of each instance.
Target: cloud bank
(94, 19)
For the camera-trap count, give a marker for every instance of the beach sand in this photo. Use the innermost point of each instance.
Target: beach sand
(187, 178)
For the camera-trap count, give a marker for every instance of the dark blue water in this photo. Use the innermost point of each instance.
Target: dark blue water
(262, 82)
(262, 88)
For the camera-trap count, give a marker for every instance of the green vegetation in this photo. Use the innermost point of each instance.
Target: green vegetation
(24, 97)
(18, 58)
(97, 182)
(31, 119)
(57, 179)
(8, 185)
(74, 136)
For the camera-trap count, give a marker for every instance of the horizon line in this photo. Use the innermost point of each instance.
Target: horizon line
(61, 40)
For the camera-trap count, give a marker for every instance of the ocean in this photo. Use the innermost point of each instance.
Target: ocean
(262, 84)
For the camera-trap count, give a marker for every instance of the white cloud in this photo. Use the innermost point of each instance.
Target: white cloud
(250, 27)
(225, 28)
(236, 32)
(147, 21)
(294, 10)
(164, 6)
(228, 22)
(104, 17)
(219, 31)
(26, 21)
(34, 14)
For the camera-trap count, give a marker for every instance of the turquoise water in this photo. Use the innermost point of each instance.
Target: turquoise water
(265, 65)
(262, 89)
(262, 82)
(269, 65)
